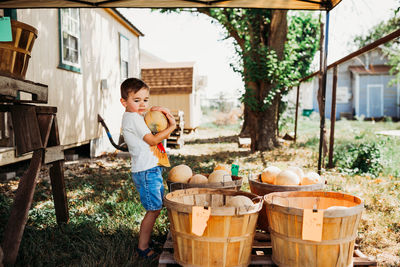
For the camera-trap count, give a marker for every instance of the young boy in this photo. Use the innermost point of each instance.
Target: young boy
(146, 169)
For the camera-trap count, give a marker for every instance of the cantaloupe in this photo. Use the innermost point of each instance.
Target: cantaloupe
(311, 178)
(269, 174)
(287, 177)
(198, 179)
(296, 170)
(219, 176)
(156, 121)
(180, 174)
(223, 167)
(239, 201)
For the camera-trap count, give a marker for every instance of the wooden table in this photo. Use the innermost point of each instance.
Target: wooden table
(34, 130)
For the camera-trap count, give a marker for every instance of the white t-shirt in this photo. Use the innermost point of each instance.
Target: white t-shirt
(134, 129)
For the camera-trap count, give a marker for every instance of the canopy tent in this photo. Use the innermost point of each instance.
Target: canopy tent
(270, 4)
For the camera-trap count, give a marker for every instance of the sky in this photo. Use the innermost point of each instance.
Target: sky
(187, 37)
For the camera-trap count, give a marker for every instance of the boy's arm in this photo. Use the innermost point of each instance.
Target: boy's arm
(155, 139)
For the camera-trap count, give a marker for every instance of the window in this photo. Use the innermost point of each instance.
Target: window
(70, 43)
(124, 56)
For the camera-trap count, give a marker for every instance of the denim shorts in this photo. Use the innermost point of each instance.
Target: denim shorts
(149, 184)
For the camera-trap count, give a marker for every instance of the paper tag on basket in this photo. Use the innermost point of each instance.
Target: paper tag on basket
(5, 29)
(200, 216)
(312, 225)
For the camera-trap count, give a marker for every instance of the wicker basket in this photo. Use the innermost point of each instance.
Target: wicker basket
(228, 237)
(235, 184)
(339, 229)
(15, 55)
(259, 188)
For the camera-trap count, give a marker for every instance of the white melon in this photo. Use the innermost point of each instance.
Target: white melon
(287, 177)
(219, 176)
(239, 201)
(180, 174)
(269, 174)
(311, 178)
(296, 170)
(223, 167)
(198, 179)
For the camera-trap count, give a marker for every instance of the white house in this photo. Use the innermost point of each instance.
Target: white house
(83, 55)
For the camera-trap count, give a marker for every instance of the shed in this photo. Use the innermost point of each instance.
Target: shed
(173, 85)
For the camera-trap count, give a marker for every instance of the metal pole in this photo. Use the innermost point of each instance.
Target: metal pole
(333, 118)
(322, 111)
(297, 112)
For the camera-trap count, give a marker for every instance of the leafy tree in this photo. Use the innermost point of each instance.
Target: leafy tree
(391, 49)
(271, 57)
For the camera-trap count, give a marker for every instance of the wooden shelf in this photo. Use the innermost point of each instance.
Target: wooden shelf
(261, 253)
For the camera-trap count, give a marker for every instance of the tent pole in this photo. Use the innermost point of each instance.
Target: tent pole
(333, 118)
(323, 84)
(297, 112)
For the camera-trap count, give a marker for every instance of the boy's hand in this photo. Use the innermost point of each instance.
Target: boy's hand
(171, 120)
(162, 109)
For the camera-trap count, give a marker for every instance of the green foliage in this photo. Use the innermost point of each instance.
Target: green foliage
(255, 60)
(362, 158)
(390, 49)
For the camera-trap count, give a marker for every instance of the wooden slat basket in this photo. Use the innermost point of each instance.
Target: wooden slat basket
(235, 184)
(339, 229)
(15, 55)
(228, 237)
(259, 188)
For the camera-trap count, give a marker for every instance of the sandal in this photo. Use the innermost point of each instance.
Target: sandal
(145, 253)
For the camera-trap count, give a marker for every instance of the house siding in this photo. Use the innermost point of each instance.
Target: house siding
(78, 96)
(364, 90)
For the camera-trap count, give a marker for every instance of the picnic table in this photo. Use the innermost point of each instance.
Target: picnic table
(35, 131)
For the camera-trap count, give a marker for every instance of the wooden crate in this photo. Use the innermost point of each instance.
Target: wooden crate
(175, 139)
(261, 253)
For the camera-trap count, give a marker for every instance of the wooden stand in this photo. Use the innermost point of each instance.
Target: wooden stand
(260, 256)
(35, 130)
(175, 138)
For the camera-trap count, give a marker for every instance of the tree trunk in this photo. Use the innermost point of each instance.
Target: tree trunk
(263, 125)
(245, 132)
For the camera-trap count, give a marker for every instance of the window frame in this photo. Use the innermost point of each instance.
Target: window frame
(121, 60)
(75, 67)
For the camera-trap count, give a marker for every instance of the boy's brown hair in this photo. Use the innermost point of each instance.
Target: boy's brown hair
(132, 85)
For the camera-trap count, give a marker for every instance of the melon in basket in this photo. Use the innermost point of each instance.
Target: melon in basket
(223, 167)
(269, 174)
(156, 121)
(287, 177)
(311, 178)
(239, 201)
(219, 176)
(296, 170)
(198, 179)
(180, 174)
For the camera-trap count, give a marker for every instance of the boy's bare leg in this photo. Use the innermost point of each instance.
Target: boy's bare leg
(146, 227)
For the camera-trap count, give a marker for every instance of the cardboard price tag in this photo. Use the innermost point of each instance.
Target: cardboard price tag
(312, 225)
(5, 29)
(200, 216)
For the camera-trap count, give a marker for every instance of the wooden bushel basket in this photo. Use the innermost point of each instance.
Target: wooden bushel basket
(259, 188)
(228, 237)
(235, 184)
(15, 55)
(339, 229)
